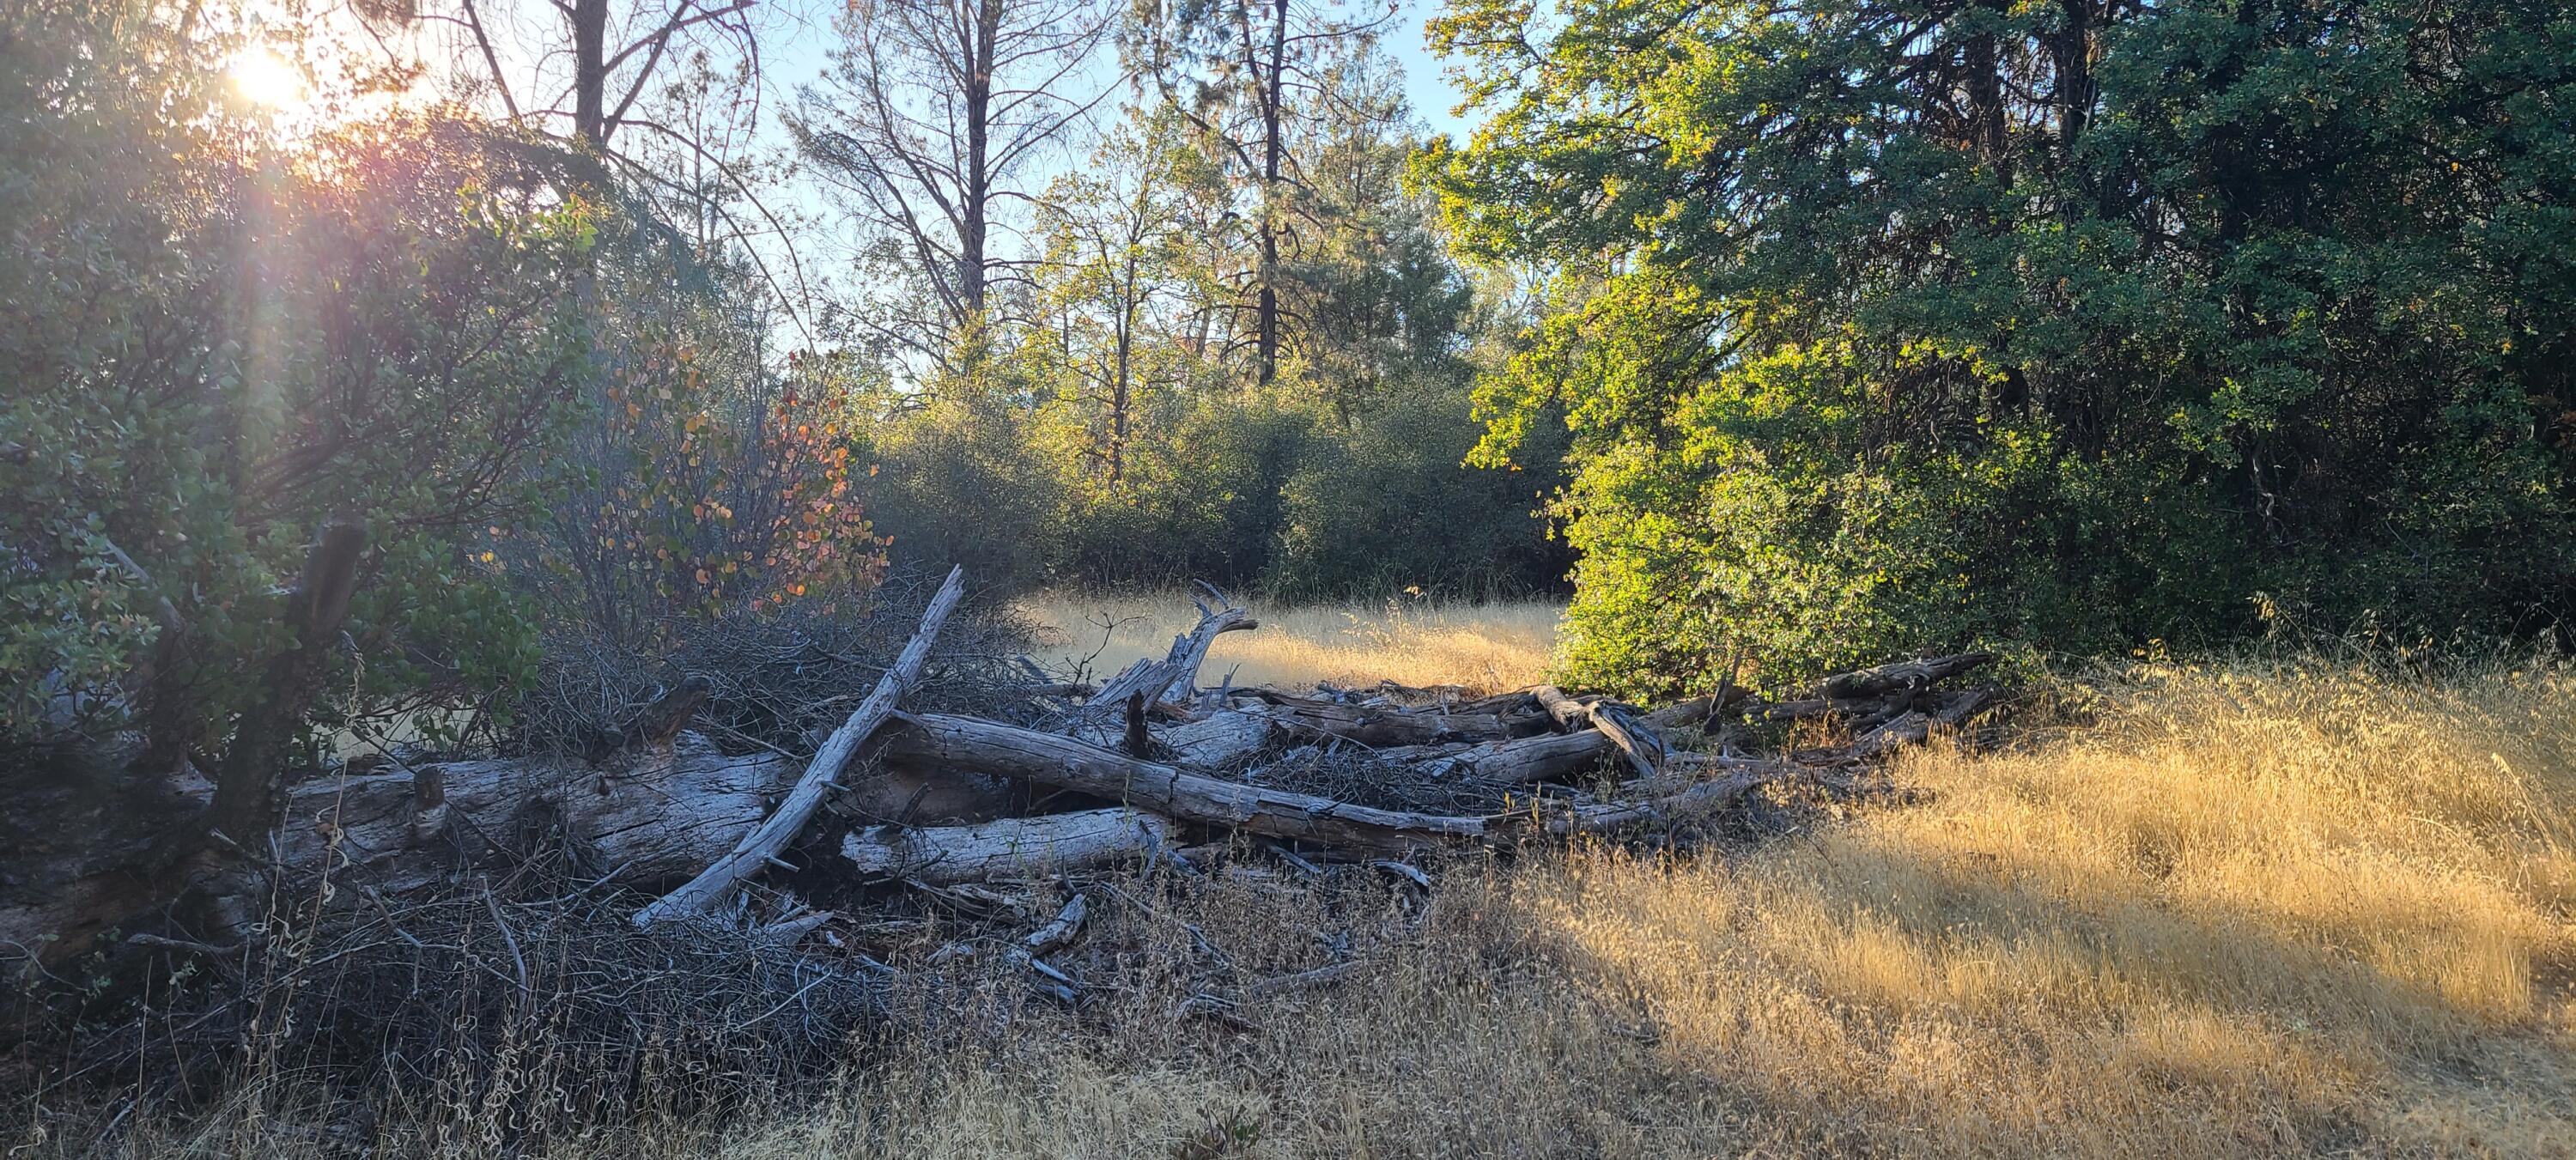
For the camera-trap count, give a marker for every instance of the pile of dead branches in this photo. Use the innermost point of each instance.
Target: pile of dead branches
(721, 903)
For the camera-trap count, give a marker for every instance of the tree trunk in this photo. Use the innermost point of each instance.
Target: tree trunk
(590, 71)
(1273, 152)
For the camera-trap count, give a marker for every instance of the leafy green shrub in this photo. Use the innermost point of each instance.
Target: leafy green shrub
(1392, 504)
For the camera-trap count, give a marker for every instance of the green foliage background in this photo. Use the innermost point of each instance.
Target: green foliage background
(1892, 326)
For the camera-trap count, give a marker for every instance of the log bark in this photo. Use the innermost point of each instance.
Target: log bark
(762, 846)
(965, 743)
(1012, 848)
(1379, 727)
(1219, 738)
(1645, 751)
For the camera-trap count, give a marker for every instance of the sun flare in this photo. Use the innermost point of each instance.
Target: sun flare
(265, 79)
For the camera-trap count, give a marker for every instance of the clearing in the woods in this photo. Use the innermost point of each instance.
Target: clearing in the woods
(1486, 645)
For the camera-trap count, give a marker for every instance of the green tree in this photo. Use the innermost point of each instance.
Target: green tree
(1896, 325)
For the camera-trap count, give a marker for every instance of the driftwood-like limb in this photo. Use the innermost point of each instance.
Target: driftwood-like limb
(1914, 727)
(1524, 761)
(1012, 848)
(1058, 931)
(762, 846)
(1047, 759)
(1886, 679)
(1379, 727)
(1173, 679)
(1696, 710)
(1216, 739)
(1645, 751)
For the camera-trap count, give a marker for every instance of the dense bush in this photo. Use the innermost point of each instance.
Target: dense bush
(215, 347)
(1394, 505)
(1246, 488)
(1894, 325)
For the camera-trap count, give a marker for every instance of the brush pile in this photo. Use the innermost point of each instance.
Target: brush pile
(758, 886)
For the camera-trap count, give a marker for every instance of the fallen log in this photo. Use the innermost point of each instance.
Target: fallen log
(1914, 726)
(1378, 728)
(1885, 679)
(656, 817)
(1049, 759)
(1645, 751)
(1012, 848)
(761, 847)
(1216, 739)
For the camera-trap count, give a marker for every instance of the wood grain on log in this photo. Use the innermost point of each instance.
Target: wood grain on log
(1174, 679)
(1645, 751)
(1010, 848)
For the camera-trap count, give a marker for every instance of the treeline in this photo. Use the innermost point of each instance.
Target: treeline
(1899, 325)
(1152, 301)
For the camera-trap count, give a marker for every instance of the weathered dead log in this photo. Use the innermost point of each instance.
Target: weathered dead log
(1914, 726)
(1380, 727)
(1644, 750)
(1217, 739)
(652, 817)
(761, 847)
(1917, 674)
(1049, 759)
(1522, 761)
(1012, 848)
(965, 743)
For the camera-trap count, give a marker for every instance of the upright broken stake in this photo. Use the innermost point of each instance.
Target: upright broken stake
(762, 846)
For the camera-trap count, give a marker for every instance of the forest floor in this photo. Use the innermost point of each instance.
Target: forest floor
(2254, 908)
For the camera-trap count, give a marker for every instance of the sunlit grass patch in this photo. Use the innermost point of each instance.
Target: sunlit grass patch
(1414, 641)
(2251, 910)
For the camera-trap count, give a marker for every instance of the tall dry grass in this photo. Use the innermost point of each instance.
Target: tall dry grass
(2250, 909)
(1487, 646)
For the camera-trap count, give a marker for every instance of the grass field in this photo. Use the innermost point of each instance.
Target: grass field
(1487, 646)
(2247, 909)
(2257, 910)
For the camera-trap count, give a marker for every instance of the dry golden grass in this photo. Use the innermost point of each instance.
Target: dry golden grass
(1413, 641)
(2252, 910)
